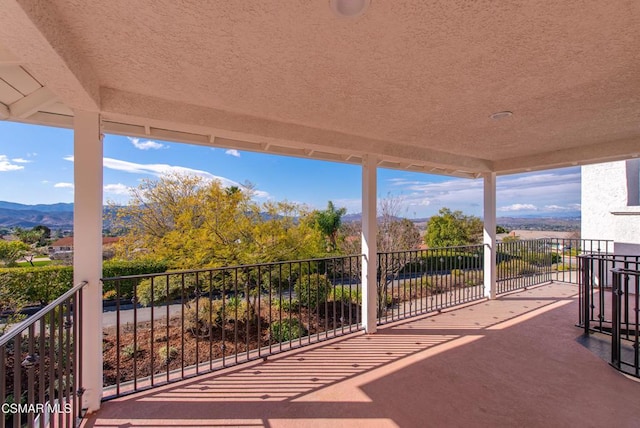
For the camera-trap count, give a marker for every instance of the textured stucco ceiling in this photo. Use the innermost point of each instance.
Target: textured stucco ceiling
(413, 81)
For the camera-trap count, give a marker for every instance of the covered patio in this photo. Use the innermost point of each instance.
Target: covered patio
(472, 90)
(513, 361)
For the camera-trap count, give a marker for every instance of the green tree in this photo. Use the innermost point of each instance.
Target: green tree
(501, 229)
(448, 229)
(29, 237)
(46, 232)
(328, 222)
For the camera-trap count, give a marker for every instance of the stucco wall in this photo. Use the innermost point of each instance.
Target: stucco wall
(607, 192)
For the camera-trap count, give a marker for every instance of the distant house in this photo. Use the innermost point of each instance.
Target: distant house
(536, 234)
(63, 247)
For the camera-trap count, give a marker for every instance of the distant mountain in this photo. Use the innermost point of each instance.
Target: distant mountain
(54, 216)
(60, 216)
(48, 208)
(31, 218)
(565, 222)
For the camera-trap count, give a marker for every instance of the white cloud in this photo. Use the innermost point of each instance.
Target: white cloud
(116, 189)
(45, 182)
(559, 190)
(20, 160)
(560, 208)
(64, 185)
(145, 145)
(160, 170)
(6, 165)
(518, 207)
(233, 152)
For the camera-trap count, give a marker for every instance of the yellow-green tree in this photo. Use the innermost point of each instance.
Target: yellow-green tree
(191, 223)
(11, 251)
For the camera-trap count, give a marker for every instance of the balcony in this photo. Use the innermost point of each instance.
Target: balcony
(442, 353)
(513, 361)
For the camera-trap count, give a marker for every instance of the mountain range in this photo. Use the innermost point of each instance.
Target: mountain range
(60, 216)
(54, 216)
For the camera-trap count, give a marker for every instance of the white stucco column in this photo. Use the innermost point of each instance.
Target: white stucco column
(87, 254)
(490, 235)
(369, 247)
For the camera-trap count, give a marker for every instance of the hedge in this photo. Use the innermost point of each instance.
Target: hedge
(118, 268)
(36, 285)
(43, 284)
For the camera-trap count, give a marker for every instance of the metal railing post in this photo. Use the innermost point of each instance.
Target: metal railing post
(615, 322)
(584, 292)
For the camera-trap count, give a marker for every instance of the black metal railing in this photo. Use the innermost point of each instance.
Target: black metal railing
(566, 263)
(40, 377)
(171, 326)
(596, 282)
(524, 263)
(411, 283)
(625, 326)
(160, 328)
(521, 264)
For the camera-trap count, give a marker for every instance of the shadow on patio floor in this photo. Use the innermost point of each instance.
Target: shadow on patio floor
(514, 361)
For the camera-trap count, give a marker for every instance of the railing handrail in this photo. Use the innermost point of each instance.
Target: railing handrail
(608, 257)
(417, 250)
(21, 326)
(223, 268)
(635, 272)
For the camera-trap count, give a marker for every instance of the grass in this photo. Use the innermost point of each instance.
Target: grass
(36, 263)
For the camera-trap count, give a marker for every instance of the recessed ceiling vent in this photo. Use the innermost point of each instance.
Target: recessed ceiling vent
(349, 8)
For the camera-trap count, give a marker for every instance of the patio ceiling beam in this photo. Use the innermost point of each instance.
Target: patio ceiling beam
(7, 58)
(595, 153)
(40, 42)
(32, 103)
(143, 110)
(4, 112)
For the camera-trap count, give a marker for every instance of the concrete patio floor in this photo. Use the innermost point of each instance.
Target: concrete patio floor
(512, 362)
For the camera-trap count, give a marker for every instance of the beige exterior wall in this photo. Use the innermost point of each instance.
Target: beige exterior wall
(610, 204)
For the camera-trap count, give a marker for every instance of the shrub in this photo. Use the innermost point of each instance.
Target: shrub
(178, 285)
(286, 305)
(167, 353)
(236, 309)
(312, 290)
(109, 294)
(566, 267)
(286, 330)
(418, 288)
(515, 267)
(346, 294)
(201, 315)
(129, 351)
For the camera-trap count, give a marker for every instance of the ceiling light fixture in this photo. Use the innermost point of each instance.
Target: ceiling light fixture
(501, 115)
(349, 8)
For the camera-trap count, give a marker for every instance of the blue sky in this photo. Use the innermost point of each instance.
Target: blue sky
(36, 166)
